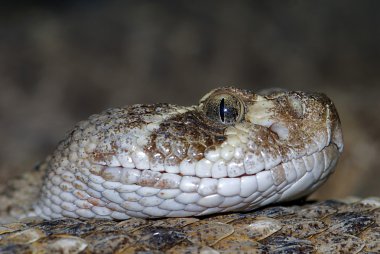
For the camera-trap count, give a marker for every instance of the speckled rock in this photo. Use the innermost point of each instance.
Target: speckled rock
(316, 227)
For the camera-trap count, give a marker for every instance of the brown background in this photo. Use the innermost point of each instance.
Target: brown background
(61, 62)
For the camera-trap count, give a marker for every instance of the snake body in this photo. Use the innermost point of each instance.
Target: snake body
(235, 151)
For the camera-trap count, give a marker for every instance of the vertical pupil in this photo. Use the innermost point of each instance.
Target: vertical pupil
(222, 110)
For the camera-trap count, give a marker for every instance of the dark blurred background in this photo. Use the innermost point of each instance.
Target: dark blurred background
(61, 61)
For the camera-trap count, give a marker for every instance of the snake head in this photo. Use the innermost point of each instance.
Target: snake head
(236, 150)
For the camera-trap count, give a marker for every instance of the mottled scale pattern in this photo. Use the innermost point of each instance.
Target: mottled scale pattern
(331, 226)
(235, 151)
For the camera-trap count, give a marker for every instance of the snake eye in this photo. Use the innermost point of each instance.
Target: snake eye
(224, 108)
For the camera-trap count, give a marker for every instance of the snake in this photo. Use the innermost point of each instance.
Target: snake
(240, 151)
(236, 150)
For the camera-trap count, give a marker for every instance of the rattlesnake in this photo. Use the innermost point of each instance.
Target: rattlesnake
(234, 151)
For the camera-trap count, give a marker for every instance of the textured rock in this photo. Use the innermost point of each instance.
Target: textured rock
(316, 227)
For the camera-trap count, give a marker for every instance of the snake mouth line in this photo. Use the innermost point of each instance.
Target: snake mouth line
(285, 171)
(126, 175)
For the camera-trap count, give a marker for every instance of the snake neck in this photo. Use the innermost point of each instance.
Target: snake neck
(18, 195)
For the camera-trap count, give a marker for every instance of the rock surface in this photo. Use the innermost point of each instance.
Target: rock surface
(348, 226)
